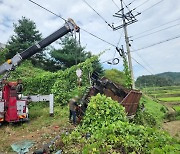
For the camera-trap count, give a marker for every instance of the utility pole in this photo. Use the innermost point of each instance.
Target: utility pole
(130, 19)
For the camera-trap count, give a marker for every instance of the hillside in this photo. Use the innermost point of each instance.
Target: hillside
(175, 76)
(162, 79)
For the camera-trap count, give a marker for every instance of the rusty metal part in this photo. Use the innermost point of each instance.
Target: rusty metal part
(127, 97)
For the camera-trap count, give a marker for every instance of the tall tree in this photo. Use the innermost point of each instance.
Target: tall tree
(116, 76)
(3, 52)
(26, 34)
(70, 54)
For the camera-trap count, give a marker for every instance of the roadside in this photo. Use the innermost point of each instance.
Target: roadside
(173, 128)
(42, 130)
(171, 125)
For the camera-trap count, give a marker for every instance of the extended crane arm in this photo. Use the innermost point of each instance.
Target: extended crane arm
(69, 26)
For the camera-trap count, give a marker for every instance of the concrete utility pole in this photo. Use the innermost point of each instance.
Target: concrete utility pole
(130, 19)
(127, 46)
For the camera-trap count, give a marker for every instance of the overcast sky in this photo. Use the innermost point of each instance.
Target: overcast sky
(160, 58)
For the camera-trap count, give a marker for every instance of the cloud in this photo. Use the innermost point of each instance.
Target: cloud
(160, 58)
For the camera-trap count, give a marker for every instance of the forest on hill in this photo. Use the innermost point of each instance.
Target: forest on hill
(162, 79)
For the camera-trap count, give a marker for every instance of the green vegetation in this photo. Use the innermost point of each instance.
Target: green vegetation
(126, 71)
(115, 76)
(71, 53)
(170, 99)
(163, 79)
(177, 108)
(3, 53)
(105, 129)
(26, 70)
(105, 123)
(40, 128)
(175, 76)
(62, 83)
(153, 113)
(26, 34)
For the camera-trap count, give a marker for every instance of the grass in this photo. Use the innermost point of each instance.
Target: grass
(41, 128)
(153, 108)
(170, 96)
(170, 99)
(162, 88)
(165, 95)
(177, 108)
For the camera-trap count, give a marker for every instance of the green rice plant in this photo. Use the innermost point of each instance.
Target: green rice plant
(170, 99)
(177, 108)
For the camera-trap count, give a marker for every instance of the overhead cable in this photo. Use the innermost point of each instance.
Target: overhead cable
(47, 10)
(98, 37)
(131, 2)
(157, 27)
(147, 64)
(120, 38)
(142, 4)
(116, 4)
(156, 31)
(167, 40)
(126, 6)
(80, 28)
(142, 65)
(152, 6)
(97, 13)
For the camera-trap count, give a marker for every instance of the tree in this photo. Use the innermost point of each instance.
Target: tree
(153, 80)
(3, 52)
(116, 76)
(70, 54)
(25, 35)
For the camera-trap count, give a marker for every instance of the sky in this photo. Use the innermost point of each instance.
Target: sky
(161, 22)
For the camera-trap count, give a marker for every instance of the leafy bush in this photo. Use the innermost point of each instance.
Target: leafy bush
(63, 84)
(67, 86)
(144, 118)
(101, 112)
(105, 129)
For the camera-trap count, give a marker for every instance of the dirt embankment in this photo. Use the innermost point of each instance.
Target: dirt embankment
(173, 127)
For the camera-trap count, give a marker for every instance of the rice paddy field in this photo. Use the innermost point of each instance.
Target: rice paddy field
(168, 96)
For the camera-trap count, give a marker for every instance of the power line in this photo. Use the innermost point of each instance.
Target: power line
(131, 2)
(152, 6)
(97, 13)
(157, 43)
(99, 38)
(116, 4)
(134, 60)
(150, 68)
(120, 38)
(47, 10)
(65, 20)
(157, 27)
(156, 31)
(126, 6)
(142, 4)
(142, 66)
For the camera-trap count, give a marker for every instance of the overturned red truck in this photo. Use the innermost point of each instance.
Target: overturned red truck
(129, 98)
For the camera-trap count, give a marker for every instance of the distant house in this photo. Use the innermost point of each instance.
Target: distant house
(2, 45)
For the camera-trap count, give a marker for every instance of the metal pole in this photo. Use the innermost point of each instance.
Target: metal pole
(127, 45)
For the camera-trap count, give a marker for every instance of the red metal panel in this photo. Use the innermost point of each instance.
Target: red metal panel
(6, 93)
(131, 102)
(11, 113)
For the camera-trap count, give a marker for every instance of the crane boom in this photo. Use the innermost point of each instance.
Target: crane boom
(10, 64)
